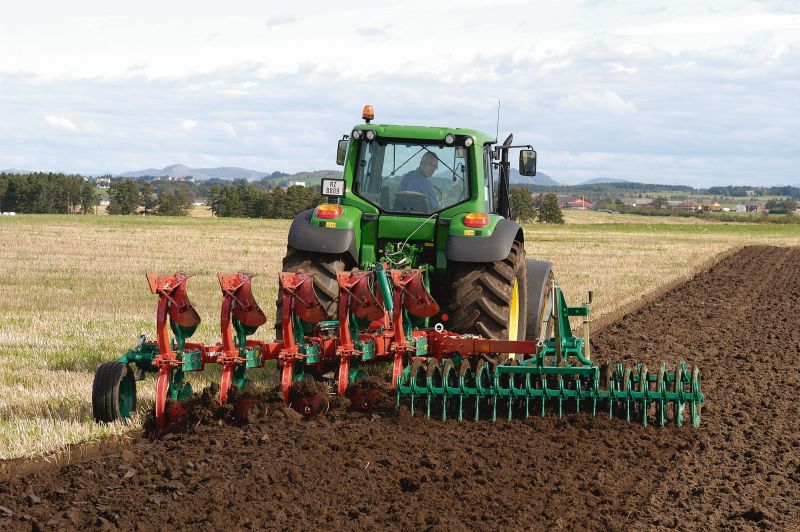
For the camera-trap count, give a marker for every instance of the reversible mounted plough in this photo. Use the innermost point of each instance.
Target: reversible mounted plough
(415, 268)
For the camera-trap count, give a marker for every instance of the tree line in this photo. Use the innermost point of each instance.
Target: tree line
(242, 199)
(126, 196)
(743, 191)
(595, 190)
(632, 189)
(46, 193)
(542, 208)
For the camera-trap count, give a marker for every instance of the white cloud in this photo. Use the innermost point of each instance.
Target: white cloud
(60, 122)
(617, 67)
(597, 102)
(622, 90)
(279, 20)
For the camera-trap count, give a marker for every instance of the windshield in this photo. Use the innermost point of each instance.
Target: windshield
(411, 177)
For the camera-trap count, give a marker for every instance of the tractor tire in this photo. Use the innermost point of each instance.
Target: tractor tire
(113, 393)
(324, 267)
(481, 297)
(540, 294)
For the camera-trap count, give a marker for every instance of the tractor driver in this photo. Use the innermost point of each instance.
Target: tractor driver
(419, 180)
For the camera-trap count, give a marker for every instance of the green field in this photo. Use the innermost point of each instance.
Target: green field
(73, 293)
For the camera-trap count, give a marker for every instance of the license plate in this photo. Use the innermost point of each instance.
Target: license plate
(333, 187)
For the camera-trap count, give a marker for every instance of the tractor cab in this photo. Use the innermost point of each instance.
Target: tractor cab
(426, 171)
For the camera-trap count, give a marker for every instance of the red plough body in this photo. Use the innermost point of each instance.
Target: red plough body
(309, 343)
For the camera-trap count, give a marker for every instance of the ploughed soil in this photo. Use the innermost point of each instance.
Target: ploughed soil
(269, 468)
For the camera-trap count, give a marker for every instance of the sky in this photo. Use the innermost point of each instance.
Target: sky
(693, 93)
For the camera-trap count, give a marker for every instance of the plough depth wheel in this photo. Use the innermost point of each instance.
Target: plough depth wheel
(113, 393)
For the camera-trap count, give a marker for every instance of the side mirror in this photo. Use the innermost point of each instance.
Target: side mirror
(341, 152)
(527, 162)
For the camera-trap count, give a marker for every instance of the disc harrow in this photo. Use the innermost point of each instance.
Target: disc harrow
(388, 316)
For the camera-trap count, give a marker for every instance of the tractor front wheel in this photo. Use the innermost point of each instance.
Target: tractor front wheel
(490, 299)
(113, 393)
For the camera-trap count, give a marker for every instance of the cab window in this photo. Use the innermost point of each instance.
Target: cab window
(412, 177)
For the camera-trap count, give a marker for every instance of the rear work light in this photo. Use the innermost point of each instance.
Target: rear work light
(329, 212)
(476, 220)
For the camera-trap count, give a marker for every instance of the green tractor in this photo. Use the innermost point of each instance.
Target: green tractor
(433, 198)
(415, 262)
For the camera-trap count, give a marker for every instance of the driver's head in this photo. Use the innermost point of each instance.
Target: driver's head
(428, 164)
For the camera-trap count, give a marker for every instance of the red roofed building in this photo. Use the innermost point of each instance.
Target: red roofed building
(577, 203)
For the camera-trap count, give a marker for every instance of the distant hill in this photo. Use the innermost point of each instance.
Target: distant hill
(600, 180)
(181, 170)
(15, 171)
(539, 179)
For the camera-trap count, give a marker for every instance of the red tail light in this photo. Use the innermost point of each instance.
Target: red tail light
(329, 212)
(476, 220)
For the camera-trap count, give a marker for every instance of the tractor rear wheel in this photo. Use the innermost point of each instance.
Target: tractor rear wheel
(113, 392)
(324, 268)
(490, 299)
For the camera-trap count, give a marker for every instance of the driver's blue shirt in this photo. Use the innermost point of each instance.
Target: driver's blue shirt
(415, 181)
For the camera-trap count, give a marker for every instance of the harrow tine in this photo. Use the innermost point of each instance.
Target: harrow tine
(626, 387)
(412, 382)
(560, 395)
(696, 396)
(462, 375)
(609, 374)
(644, 388)
(661, 388)
(678, 389)
(544, 393)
